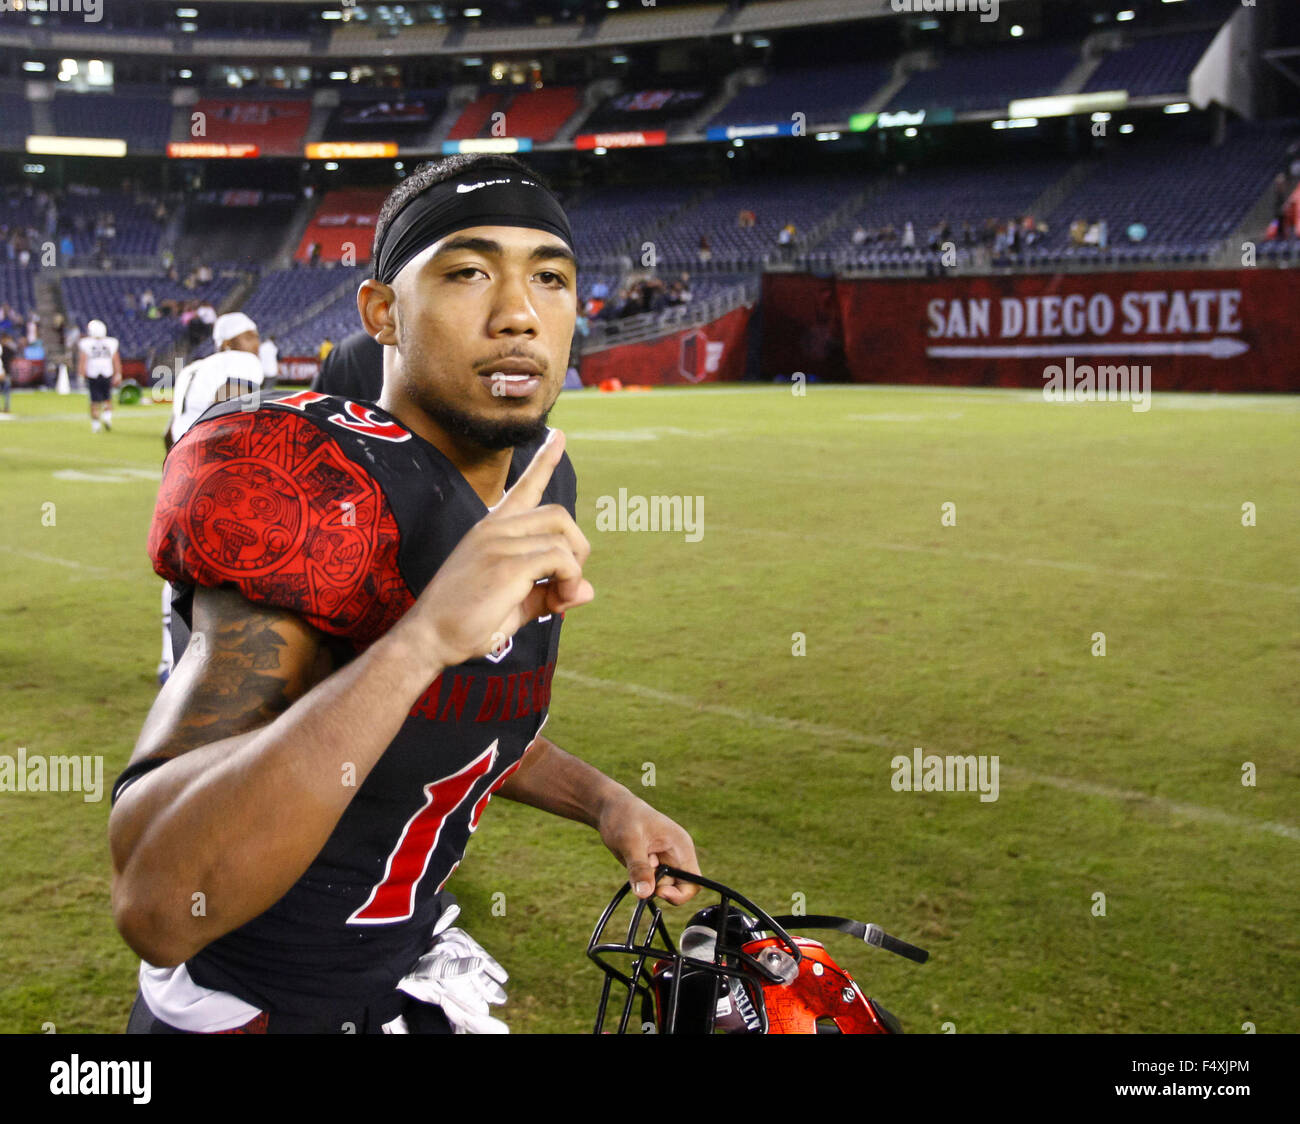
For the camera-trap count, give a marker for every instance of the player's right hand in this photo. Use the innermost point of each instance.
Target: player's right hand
(488, 588)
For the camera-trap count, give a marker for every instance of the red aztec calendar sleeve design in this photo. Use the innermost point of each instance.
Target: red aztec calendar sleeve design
(266, 502)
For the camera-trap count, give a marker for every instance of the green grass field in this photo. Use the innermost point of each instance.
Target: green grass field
(1120, 774)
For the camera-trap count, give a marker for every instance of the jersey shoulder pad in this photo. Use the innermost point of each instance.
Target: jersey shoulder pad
(266, 502)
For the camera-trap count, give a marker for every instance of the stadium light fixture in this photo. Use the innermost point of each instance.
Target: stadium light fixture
(1178, 107)
(33, 169)
(338, 75)
(332, 14)
(331, 166)
(1126, 15)
(910, 132)
(828, 136)
(737, 143)
(760, 42)
(602, 151)
(185, 74)
(1017, 31)
(472, 13)
(611, 4)
(619, 59)
(1098, 118)
(187, 13)
(928, 25)
(471, 62)
(33, 67)
(190, 27)
(1127, 129)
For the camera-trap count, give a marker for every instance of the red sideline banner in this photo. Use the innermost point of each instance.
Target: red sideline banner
(713, 352)
(1226, 330)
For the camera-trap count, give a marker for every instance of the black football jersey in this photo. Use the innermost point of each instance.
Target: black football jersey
(335, 511)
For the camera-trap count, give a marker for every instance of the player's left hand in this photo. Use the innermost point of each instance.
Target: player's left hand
(641, 839)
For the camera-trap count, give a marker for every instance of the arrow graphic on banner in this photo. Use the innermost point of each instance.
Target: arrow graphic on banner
(1221, 348)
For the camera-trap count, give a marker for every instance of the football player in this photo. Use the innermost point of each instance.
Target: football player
(99, 364)
(235, 368)
(375, 595)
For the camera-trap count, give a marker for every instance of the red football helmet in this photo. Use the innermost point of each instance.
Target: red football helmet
(738, 971)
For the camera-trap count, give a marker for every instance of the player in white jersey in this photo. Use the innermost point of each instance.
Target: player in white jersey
(99, 362)
(235, 368)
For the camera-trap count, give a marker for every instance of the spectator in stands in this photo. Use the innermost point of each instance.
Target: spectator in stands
(706, 250)
(147, 300)
(1136, 232)
(786, 236)
(746, 219)
(1078, 232)
(860, 235)
(204, 274)
(206, 313)
(67, 248)
(327, 345)
(909, 236)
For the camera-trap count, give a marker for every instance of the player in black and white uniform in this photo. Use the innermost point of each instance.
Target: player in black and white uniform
(376, 595)
(99, 362)
(234, 369)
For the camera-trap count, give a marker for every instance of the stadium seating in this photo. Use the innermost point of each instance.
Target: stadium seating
(277, 126)
(538, 114)
(103, 297)
(402, 116)
(284, 294)
(476, 117)
(143, 122)
(15, 121)
(646, 109)
(1189, 195)
(988, 78)
(16, 288)
(608, 220)
(344, 219)
(1162, 64)
(825, 95)
(929, 196)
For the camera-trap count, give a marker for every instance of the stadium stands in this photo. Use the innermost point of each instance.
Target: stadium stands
(1162, 64)
(538, 114)
(343, 223)
(276, 126)
(826, 95)
(15, 121)
(402, 116)
(143, 122)
(646, 109)
(988, 78)
(16, 289)
(1188, 195)
(104, 297)
(476, 117)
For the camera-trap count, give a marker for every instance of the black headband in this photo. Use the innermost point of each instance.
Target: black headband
(487, 198)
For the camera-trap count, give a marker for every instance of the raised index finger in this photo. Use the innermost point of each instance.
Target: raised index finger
(527, 491)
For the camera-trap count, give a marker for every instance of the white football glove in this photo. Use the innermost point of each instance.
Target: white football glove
(459, 976)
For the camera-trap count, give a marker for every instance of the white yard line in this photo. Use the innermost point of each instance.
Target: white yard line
(855, 737)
